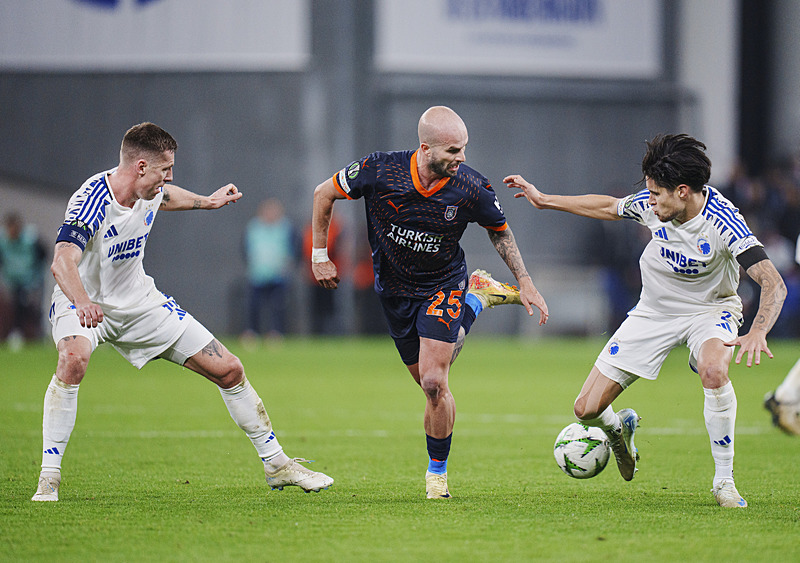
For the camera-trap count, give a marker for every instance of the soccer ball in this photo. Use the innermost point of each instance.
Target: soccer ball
(581, 451)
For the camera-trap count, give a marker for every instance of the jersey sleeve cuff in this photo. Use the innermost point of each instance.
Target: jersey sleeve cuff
(338, 187)
(499, 228)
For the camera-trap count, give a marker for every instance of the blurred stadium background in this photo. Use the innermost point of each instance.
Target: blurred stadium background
(276, 96)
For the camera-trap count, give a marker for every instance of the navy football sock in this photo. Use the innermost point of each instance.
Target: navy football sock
(438, 450)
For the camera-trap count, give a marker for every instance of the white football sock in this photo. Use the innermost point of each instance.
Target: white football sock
(719, 410)
(789, 390)
(606, 421)
(248, 412)
(58, 420)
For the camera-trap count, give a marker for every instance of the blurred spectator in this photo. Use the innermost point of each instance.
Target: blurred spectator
(271, 251)
(789, 221)
(22, 272)
(369, 313)
(747, 193)
(323, 301)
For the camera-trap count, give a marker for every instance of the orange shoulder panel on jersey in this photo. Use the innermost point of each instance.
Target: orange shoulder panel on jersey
(502, 227)
(338, 187)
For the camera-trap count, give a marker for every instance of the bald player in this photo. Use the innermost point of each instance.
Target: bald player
(418, 204)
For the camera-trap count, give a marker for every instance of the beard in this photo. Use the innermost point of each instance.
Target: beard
(439, 168)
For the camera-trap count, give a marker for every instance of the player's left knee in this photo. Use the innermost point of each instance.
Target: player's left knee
(714, 376)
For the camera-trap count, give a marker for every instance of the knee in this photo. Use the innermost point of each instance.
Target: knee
(432, 386)
(71, 367)
(232, 373)
(713, 376)
(582, 410)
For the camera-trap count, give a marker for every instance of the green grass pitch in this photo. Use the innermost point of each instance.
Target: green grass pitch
(157, 471)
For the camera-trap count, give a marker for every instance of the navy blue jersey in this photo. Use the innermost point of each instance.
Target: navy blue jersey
(414, 232)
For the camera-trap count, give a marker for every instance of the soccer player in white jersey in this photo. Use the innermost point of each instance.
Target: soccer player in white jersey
(784, 403)
(103, 295)
(690, 273)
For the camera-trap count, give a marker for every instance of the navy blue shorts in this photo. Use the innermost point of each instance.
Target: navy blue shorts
(438, 318)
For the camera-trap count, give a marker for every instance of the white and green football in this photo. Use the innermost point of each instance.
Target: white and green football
(581, 451)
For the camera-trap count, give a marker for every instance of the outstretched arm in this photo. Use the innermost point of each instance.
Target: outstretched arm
(323, 268)
(66, 258)
(773, 293)
(590, 205)
(506, 247)
(179, 199)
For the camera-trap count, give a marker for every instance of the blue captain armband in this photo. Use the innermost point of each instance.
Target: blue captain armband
(76, 232)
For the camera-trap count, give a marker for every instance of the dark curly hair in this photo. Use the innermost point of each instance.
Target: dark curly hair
(672, 160)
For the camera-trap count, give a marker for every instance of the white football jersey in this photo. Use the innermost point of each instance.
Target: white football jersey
(690, 267)
(111, 266)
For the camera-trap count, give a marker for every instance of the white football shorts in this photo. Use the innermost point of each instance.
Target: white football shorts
(641, 344)
(158, 330)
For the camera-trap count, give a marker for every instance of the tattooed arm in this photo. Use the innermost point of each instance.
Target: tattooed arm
(773, 293)
(177, 199)
(506, 247)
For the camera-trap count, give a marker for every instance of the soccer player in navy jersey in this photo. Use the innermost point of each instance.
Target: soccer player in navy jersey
(690, 273)
(418, 204)
(102, 294)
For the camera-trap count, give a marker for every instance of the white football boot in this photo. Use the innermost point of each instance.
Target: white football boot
(293, 474)
(436, 485)
(47, 491)
(785, 416)
(727, 496)
(622, 443)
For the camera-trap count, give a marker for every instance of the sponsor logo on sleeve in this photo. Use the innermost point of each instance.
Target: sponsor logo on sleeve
(78, 236)
(343, 181)
(747, 243)
(497, 205)
(353, 170)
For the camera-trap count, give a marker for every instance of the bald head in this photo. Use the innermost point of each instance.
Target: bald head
(442, 141)
(440, 125)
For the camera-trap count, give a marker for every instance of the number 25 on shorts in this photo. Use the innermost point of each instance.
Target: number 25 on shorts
(454, 299)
